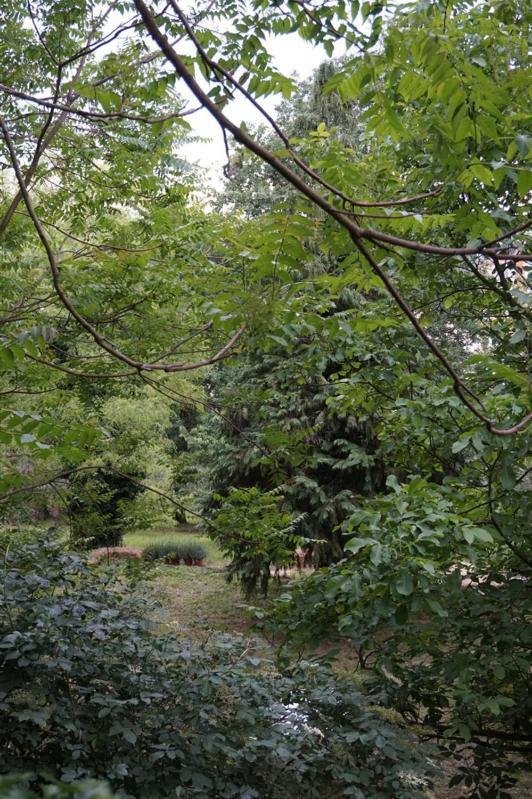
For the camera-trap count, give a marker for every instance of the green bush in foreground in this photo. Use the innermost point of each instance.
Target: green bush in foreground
(17, 788)
(88, 690)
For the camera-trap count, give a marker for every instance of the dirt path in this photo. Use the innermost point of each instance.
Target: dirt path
(200, 600)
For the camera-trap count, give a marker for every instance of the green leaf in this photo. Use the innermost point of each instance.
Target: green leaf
(472, 534)
(354, 545)
(482, 172)
(404, 583)
(524, 182)
(518, 336)
(461, 444)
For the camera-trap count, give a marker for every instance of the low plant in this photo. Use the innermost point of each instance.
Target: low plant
(193, 551)
(186, 551)
(441, 609)
(89, 690)
(160, 550)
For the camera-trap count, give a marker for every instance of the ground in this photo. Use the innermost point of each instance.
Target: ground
(198, 599)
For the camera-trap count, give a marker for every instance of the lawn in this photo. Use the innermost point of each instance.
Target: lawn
(194, 599)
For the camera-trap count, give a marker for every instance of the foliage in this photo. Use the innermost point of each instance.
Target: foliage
(455, 611)
(279, 425)
(252, 529)
(89, 690)
(431, 499)
(375, 250)
(18, 788)
(181, 550)
(96, 508)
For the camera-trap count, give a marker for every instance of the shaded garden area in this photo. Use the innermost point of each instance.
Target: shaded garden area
(265, 476)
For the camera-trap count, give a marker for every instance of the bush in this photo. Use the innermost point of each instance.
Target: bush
(182, 550)
(256, 533)
(88, 690)
(159, 550)
(97, 507)
(17, 787)
(193, 550)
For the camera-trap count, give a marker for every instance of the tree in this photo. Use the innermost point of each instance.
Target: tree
(128, 106)
(455, 138)
(417, 220)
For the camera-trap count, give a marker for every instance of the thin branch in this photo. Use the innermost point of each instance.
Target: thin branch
(503, 293)
(42, 143)
(217, 68)
(355, 231)
(65, 473)
(83, 375)
(80, 112)
(102, 342)
(93, 245)
(39, 35)
(172, 394)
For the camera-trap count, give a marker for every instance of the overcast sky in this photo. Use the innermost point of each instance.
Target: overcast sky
(291, 55)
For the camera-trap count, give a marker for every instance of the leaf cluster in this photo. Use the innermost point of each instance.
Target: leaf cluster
(89, 689)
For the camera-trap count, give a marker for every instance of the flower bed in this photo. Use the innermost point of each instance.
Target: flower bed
(190, 553)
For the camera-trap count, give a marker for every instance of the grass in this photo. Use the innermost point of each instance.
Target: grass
(194, 599)
(167, 535)
(200, 600)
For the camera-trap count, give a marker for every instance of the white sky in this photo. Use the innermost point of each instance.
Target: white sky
(291, 54)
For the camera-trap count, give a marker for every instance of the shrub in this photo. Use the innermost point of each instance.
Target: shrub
(256, 533)
(88, 690)
(192, 550)
(97, 506)
(17, 787)
(159, 550)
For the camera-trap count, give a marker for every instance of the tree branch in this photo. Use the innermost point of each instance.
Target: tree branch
(100, 340)
(355, 231)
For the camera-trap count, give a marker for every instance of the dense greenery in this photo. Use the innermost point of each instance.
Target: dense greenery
(253, 530)
(89, 690)
(18, 788)
(330, 351)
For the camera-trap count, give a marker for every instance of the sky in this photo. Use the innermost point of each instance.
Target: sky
(291, 55)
